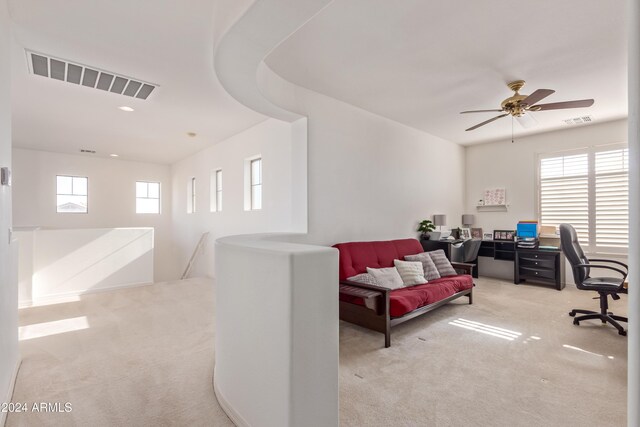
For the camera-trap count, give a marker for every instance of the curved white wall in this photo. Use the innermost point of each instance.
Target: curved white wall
(277, 331)
(367, 178)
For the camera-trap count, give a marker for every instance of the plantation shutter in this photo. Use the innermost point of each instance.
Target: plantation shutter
(612, 198)
(564, 192)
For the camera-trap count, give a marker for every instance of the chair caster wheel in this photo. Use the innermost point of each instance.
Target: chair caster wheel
(572, 313)
(576, 322)
(623, 333)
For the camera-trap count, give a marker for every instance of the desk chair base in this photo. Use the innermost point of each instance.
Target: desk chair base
(604, 315)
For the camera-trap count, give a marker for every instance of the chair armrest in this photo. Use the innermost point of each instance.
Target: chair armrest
(465, 266)
(365, 286)
(612, 261)
(606, 267)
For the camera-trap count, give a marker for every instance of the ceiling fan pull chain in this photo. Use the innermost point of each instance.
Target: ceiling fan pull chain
(512, 129)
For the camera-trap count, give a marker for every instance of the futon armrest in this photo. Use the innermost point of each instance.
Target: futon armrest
(364, 286)
(464, 266)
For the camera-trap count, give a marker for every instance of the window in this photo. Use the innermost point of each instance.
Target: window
(72, 194)
(216, 191)
(147, 197)
(191, 192)
(256, 184)
(590, 190)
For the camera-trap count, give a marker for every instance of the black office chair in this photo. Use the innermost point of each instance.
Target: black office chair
(467, 251)
(604, 286)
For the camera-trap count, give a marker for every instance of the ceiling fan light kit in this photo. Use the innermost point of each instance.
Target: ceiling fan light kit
(518, 105)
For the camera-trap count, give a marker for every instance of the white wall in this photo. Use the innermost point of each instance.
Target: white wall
(112, 197)
(8, 253)
(55, 264)
(370, 177)
(513, 166)
(272, 140)
(284, 309)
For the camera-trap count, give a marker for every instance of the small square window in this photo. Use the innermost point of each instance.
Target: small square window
(72, 194)
(147, 197)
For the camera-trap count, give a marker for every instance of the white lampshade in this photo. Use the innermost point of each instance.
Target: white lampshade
(468, 219)
(440, 220)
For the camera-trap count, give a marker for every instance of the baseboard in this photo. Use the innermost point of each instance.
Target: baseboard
(72, 296)
(12, 385)
(235, 417)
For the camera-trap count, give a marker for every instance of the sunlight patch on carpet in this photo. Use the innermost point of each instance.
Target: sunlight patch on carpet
(39, 330)
(571, 347)
(486, 329)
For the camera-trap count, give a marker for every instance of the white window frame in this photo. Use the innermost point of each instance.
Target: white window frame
(215, 190)
(159, 198)
(249, 186)
(589, 247)
(72, 194)
(191, 195)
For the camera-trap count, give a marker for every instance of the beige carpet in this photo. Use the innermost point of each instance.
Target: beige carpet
(146, 359)
(440, 374)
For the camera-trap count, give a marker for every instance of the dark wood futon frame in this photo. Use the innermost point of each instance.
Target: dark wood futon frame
(375, 314)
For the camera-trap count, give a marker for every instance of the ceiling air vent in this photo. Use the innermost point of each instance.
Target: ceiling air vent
(59, 69)
(84, 150)
(578, 120)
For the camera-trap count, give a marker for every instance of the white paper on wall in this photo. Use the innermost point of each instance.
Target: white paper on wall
(495, 196)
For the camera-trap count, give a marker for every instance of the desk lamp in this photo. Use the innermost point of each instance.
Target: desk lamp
(440, 220)
(468, 220)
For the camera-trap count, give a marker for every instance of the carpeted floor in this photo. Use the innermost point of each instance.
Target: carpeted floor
(145, 360)
(144, 357)
(537, 369)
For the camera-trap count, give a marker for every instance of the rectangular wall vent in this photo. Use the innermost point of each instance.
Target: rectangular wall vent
(578, 120)
(59, 69)
(84, 150)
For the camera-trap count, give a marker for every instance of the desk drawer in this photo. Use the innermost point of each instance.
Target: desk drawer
(541, 273)
(537, 262)
(537, 255)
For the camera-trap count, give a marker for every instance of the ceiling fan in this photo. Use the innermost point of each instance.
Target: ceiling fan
(518, 105)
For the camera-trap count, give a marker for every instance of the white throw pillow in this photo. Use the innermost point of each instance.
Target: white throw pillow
(386, 277)
(365, 278)
(412, 272)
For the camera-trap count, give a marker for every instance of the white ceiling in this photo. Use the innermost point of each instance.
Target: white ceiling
(169, 43)
(422, 62)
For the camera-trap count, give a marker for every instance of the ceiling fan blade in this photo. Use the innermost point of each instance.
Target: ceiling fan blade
(527, 121)
(486, 121)
(560, 105)
(480, 111)
(537, 96)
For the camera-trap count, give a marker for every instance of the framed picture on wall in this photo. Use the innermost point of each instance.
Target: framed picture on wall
(465, 233)
(503, 235)
(476, 233)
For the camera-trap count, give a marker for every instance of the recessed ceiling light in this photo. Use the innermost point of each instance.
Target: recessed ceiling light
(191, 134)
(113, 155)
(125, 108)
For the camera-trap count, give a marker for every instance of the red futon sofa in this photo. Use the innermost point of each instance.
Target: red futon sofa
(379, 308)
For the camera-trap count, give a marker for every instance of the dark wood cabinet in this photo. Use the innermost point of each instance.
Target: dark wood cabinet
(537, 265)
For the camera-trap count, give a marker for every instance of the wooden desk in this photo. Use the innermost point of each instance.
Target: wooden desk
(539, 265)
(549, 268)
